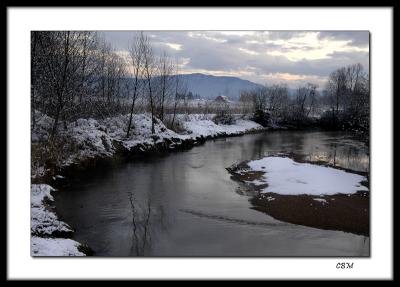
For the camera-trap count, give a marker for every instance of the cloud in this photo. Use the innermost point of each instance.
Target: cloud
(292, 57)
(357, 38)
(294, 79)
(247, 51)
(174, 46)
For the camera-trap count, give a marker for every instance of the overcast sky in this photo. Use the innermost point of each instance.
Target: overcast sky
(263, 57)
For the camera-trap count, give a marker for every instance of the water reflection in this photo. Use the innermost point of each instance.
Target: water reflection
(148, 219)
(332, 148)
(141, 208)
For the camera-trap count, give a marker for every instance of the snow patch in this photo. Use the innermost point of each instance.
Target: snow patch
(323, 201)
(44, 221)
(285, 176)
(39, 192)
(205, 127)
(54, 247)
(270, 198)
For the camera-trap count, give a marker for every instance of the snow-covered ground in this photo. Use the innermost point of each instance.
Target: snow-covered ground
(206, 127)
(54, 247)
(88, 138)
(45, 226)
(194, 126)
(43, 221)
(285, 176)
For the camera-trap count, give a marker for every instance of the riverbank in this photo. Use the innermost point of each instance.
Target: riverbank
(310, 194)
(50, 235)
(88, 142)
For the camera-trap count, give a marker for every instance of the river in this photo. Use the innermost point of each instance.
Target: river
(186, 204)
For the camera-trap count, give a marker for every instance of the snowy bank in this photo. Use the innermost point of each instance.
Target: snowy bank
(285, 176)
(54, 247)
(85, 139)
(45, 225)
(44, 221)
(199, 127)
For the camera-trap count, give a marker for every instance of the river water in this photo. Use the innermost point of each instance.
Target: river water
(186, 204)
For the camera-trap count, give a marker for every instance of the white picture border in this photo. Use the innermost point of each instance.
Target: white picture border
(20, 265)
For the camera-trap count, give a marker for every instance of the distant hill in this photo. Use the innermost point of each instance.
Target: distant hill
(209, 87)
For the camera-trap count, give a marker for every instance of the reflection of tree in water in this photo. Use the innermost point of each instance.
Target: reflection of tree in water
(334, 147)
(278, 142)
(147, 218)
(342, 156)
(337, 150)
(349, 157)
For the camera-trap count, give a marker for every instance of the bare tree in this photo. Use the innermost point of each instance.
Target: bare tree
(136, 52)
(277, 97)
(305, 101)
(104, 52)
(260, 99)
(148, 59)
(56, 49)
(180, 93)
(88, 45)
(34, 72)
(348, 92)
(165, 69)
(336, 87)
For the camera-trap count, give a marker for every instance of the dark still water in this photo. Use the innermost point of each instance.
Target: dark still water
(186, 204)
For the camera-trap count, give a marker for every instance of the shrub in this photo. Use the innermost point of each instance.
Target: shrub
(261, 117)
(224, 119)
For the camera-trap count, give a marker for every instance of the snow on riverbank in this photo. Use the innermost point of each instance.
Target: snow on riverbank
(54, 247)
(194, 126)
(45, 223)
(285, 176)
(140, 132)
(205, 127)
(89, 138)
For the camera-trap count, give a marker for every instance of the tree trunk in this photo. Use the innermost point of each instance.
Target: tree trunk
(132, 107)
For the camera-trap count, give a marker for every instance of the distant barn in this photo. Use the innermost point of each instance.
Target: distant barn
(221, 99)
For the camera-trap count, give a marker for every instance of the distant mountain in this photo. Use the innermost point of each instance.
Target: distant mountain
(209, 87)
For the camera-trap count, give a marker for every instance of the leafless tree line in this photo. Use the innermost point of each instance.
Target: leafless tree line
(273, 104)
(73, 74)
(158, 78)
(77, 74)
(348, 96)
(343, 101)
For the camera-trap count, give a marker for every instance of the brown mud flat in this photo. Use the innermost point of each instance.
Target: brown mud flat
(343, 212)
(349, 213)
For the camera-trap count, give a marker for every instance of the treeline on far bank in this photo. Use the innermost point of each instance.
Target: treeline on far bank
(77, 74)
(343, 104)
